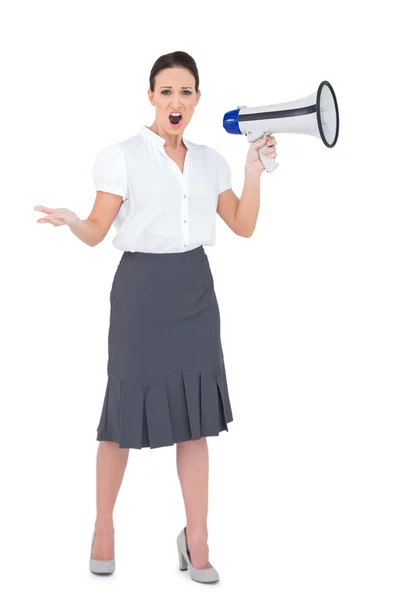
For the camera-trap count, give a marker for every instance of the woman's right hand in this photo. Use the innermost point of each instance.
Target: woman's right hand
(57, 216)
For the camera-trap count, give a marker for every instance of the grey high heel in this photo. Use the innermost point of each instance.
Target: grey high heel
(209, 575)
(101, 567)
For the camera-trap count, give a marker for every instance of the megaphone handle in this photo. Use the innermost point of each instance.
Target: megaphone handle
(270, 164)
(253, 135)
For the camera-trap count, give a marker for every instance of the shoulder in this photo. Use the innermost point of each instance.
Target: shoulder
(109, 154)
(109, 170)
(216, 156)
(117, 150)
(131, 143)
(217, 159)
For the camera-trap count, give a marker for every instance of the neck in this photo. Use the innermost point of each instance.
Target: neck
(174, 142)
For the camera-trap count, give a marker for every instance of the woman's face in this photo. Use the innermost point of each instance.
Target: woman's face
(174, 91)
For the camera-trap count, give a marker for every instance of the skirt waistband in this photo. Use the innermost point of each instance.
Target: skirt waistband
(199, 250)
(168, 260)
(169, 268)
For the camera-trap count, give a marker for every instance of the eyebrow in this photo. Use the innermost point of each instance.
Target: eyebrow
(170, 86)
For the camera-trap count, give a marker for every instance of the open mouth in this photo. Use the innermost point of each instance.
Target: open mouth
(175, 118)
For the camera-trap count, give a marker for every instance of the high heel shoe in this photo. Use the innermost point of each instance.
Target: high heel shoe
(101, 567)
(209, 575)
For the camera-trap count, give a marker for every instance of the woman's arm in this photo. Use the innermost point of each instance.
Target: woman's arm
(241, 215)
(91, 230)
(94, 229)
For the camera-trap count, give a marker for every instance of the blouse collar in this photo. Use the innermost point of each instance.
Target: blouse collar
(157, 139)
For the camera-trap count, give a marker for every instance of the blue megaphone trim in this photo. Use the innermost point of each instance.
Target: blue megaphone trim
(231, 121)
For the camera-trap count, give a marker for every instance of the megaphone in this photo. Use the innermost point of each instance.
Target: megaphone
(317, 115)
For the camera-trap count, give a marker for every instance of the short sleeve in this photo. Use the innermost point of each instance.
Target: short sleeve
(109, 171)
(224, 174)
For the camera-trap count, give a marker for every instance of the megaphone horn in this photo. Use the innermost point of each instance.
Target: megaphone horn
(316, 114)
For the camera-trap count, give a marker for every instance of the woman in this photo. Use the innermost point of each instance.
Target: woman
(166, 375)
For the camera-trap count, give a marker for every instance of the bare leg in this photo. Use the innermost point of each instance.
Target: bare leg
(110, 468)
(192, 467)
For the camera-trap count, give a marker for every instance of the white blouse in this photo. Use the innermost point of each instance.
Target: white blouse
(163, 209)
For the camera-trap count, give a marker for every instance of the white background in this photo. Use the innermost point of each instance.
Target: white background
(304, 488)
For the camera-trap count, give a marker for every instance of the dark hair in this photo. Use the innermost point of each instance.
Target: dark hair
(174, 59)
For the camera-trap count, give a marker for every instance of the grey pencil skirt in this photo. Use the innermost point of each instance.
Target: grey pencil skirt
(166, 374)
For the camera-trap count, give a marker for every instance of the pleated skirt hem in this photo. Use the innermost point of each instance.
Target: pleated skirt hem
(185, 405)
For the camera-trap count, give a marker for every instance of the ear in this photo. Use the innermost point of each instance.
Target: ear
(150, 95)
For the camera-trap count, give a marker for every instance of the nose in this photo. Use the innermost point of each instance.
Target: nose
(176, 103)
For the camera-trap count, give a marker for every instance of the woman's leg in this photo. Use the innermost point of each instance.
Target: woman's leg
(110, 469)
(192, 466)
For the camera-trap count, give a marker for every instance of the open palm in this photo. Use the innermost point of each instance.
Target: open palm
(57, 216)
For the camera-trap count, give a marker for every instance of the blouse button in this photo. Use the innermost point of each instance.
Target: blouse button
(184, 221)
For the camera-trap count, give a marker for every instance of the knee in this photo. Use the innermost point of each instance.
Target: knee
(192, 443)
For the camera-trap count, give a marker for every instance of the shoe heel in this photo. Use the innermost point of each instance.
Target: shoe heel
(207, 575)
(101, 567)
(182, 562)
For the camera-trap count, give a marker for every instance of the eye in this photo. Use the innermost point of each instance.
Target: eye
(188, 92)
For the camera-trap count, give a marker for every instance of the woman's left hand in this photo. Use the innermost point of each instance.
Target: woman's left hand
(253, 162)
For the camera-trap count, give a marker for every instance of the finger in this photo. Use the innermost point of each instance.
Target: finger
(261, 142)
(44, 209)
(45, 220)
(51, 220)
(270, 153)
